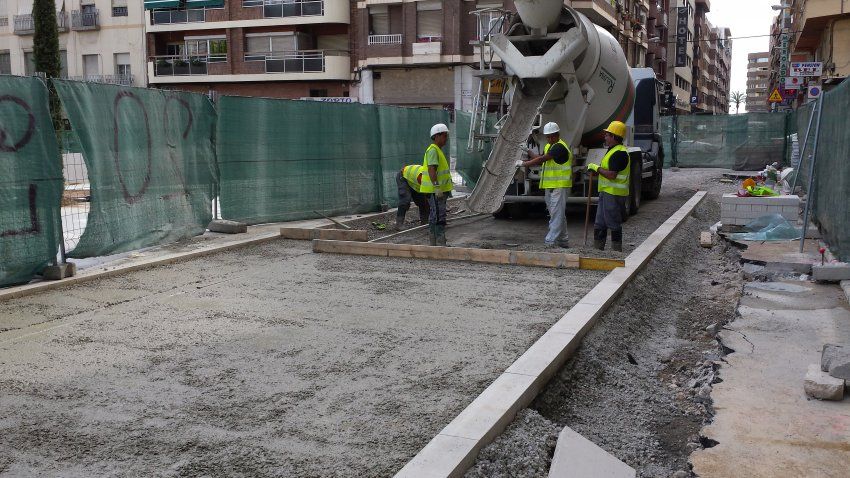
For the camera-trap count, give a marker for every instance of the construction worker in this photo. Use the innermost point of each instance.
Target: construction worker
(614, 174)
(437, 184)
(556, 180)
(409, 182)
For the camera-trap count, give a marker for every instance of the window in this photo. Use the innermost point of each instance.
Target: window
(119, 8)
(379, 20)
(91, 65)
(174, 49)
(318, 93)
(215, 49)
(4, 14)
(122, 65)
(429, 20)
(5, 63)
(29, 64)
(258, 46)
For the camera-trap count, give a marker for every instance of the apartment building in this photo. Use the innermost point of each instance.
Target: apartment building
(758, 75)
(659, 37)
(99, 40)
(270, 48)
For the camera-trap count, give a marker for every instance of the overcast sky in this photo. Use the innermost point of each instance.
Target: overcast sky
(744, 18)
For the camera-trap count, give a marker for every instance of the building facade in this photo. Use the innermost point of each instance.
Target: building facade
(758, 75)
(263, 48)
(99, 40)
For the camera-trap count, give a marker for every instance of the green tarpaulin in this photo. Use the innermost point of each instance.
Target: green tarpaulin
(282, 160)
(151, 164)
(153, 4)
(30, 180)
(204, 3)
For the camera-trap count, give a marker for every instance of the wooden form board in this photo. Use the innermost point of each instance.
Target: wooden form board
(307, 234)
(488, 256)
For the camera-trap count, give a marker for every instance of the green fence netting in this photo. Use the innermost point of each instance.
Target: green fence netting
(30, 180)
(404, 138)
(745, 142)
(831, 187)
(469, 163)
(151, 164)
(282, 160)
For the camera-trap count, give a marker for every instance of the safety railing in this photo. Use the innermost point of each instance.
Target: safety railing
(24, 25)
(391, 39)
(305, 61)
(167, 17)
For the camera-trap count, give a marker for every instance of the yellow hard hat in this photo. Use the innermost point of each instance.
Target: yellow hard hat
(617, 128)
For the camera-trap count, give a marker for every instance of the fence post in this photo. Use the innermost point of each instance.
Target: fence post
(674, 140)
(809, 196)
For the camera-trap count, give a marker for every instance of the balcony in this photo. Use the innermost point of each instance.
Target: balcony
(600, 12)
(288, 8)
(428, 45)
(814, 19)
(122, 80)
(24, 24)
(83, 21)
(185, 65)
(392, 39)
(170, 17)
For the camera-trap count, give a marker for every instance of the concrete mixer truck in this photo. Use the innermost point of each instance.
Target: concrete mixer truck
(558, 66)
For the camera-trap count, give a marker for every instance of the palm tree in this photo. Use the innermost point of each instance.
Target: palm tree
(736, 98)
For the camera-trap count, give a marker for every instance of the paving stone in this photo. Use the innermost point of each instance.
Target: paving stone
(227, 227)
(835, 360)
(821, 385)
(577, 456)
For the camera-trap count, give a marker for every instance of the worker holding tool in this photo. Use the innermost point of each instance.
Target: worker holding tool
(409, 182)
(614, 175)
(556, 180)
(437, 184)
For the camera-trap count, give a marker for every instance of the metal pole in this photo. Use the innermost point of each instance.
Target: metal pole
(805, 143)
(809, 196)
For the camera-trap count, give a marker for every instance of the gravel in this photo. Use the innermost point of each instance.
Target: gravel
(639, 384)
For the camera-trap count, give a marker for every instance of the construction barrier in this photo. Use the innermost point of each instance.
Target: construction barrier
(151, 164)
(30, 180)
(744, 142)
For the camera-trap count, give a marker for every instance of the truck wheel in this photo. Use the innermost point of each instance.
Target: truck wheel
(652, 187)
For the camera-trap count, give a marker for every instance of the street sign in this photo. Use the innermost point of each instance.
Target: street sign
(331, 99)
(814, 91)
(775, 97)
(694, 100)
(793, 82)
(811, 68)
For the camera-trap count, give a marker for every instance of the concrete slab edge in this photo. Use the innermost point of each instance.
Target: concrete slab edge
(455, 448)
(29, 289)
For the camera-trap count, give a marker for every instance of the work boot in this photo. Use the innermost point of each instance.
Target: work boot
(617, 241)
(599, 236)
(432, 234)
(441, 235)
(399, 223)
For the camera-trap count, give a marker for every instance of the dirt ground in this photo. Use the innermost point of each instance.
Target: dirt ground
(639, 384)
(265, 361)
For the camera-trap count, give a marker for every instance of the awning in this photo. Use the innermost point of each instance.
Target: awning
(152, 4)
(204, 3)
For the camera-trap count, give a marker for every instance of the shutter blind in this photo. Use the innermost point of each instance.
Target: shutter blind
(429, 23)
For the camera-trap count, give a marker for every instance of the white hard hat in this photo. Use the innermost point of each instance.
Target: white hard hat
(439, 128)
(551, 128)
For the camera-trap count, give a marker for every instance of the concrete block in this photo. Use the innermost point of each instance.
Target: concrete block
(821, 385)
(546, 356)
(227, 227)
(831, 272)
(59, 272)
(835, 360)
(705, 239)
(578, 320)
(443, 456)
(576, 456)
(301, 233)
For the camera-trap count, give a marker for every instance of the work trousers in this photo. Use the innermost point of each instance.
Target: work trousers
(610, 212)
(406, 194)
(556, 203)
(437, 213)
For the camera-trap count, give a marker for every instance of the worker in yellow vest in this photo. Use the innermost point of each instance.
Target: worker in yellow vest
(556, 180)
(409, 182)
(437, 184)
(614, 174)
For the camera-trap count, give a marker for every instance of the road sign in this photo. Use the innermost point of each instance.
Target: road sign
(811, 68)
(814, 91)
(775, 97)
(793, 82)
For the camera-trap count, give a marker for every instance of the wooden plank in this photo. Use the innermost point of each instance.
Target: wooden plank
(545, 259)
(600, 264)
(306, 234)
(349, 247)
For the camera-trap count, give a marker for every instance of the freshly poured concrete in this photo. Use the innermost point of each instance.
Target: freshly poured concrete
(765, 425)
(263, 361)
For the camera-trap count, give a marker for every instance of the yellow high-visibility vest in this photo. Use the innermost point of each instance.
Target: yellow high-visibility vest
(413, 174)
(557, 175)
(444, 175)
(618, 186)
